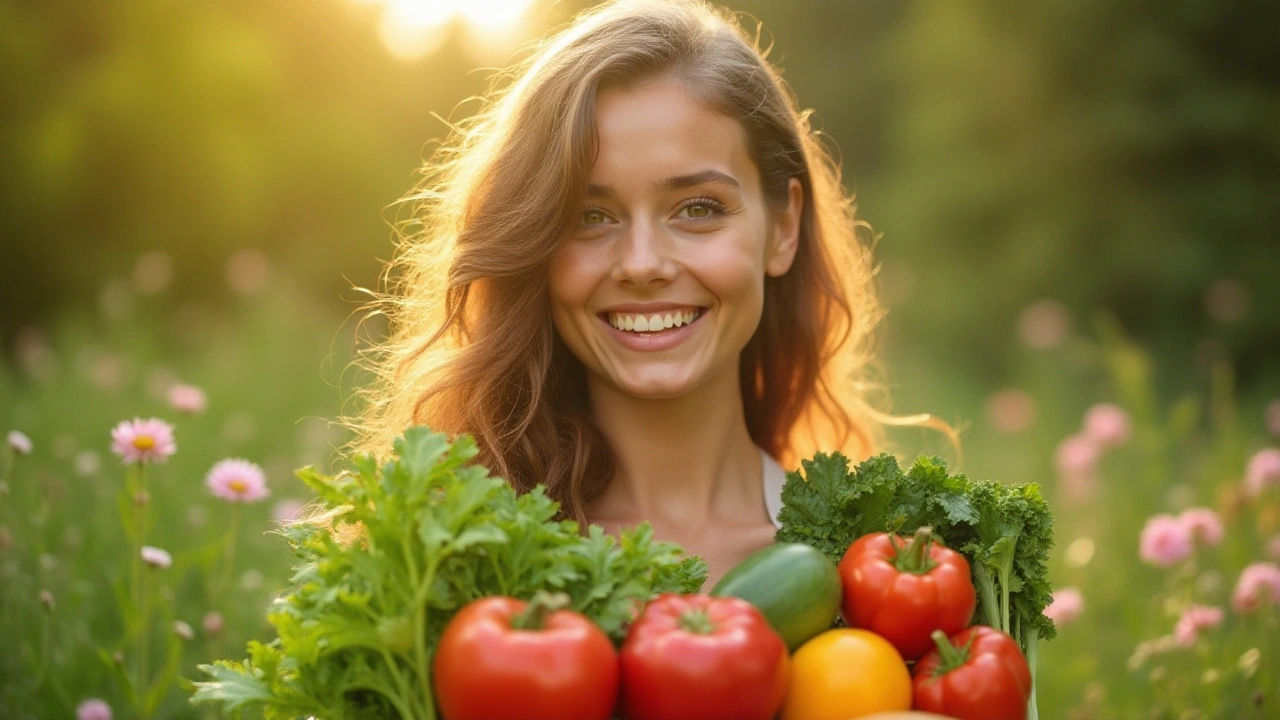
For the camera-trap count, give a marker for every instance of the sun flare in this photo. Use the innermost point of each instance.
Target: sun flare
(413, 29)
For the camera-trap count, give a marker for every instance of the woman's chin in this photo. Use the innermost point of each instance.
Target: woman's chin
(655, 387)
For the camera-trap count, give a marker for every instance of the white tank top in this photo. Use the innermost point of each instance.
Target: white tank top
(774, 477)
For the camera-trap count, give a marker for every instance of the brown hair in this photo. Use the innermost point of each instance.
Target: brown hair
(472, 346)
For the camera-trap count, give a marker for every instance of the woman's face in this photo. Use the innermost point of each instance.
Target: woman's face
(662, 284)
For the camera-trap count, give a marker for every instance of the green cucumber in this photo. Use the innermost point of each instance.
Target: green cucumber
(794, 585)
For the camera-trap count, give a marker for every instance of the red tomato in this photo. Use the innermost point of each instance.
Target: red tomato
(697, 657)
(563, 668)
(979, 674)
(903, 592)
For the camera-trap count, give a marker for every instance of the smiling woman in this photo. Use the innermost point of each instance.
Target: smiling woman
(635, 278)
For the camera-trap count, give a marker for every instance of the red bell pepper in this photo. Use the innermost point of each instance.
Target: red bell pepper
(502, 659)
(977, 674)
(697, 657)
(904, 591)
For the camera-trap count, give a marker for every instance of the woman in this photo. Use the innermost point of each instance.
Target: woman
(634, 278)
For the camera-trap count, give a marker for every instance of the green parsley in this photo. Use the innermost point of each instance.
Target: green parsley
(405, 546)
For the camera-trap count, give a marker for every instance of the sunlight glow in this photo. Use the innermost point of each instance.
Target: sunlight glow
(413, 29)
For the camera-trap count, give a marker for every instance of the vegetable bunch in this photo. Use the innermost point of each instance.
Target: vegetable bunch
(1003, 531)
(908, 602)
(397, 551)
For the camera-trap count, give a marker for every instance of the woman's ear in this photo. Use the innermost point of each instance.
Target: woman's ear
(786, 232)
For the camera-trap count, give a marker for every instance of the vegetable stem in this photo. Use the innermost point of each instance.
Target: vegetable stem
(697, 622)
(420, 639)
(914, 558)
(539, 609)
(987, 592)
(1029, 649)
(1006, 570)
(952, 656)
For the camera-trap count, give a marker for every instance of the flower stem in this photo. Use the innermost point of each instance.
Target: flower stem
(142, 504)
(229, 559)
(9, 456)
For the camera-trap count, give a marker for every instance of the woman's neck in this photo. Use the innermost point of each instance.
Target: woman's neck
(680, 462)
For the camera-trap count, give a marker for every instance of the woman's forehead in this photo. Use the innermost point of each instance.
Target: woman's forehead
(661, 132)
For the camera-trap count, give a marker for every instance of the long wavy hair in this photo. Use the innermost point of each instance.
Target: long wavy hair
(472, 348)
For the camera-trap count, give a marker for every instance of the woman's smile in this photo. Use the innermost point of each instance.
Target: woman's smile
(651, 331)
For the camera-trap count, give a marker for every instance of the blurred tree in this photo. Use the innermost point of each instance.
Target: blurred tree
(197, 129)
(1122, 156)
(1116, 155)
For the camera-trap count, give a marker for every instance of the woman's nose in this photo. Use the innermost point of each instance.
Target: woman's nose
(644, 255)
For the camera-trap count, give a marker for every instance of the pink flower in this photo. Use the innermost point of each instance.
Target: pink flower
(212, 623)
(237, 480)
(93, 709)
(1108, 425)
(1259, 582)
(141, 441)
(19, 442)
(1263, 470)
(1044, 325)
(156, 558)
(1076, 459)
(1203, 524)
(1076, 455)
(1066, 607)
(1273, 417)
(1193, 620)
(187, 399)
(247, 271)
(1011, 411)
(183, 630)
(1165, 541)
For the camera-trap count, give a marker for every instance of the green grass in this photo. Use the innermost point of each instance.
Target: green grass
(270, 367)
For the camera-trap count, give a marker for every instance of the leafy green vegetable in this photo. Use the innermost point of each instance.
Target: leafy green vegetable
(1005, 531)
(406, 546)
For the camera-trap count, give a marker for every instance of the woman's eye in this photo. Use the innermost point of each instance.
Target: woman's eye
(699, 210)
(593, 216)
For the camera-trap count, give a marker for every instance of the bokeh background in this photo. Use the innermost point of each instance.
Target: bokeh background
(1075, 202)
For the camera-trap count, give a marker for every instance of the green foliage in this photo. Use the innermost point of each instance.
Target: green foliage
(403, 547)
(1083, 151)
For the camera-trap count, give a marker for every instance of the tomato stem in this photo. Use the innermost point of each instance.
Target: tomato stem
(697, 622)
(534, 616)
(952, 656)
(914, 558)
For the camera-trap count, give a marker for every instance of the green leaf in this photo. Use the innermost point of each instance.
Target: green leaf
(234, 685)
(419, 450)
(479, 535)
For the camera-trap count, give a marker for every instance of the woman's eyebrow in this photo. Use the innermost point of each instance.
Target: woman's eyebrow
(673, 183)
(698, 178)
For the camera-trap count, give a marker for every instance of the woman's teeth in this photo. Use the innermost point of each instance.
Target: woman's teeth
(653, 323)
